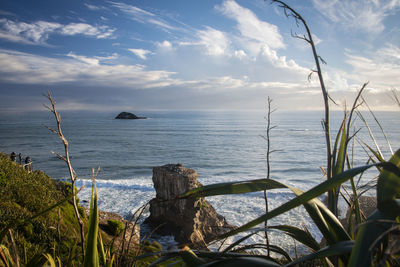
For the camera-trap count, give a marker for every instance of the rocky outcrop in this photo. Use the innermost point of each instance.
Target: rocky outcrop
(128, 116)
(191, 221)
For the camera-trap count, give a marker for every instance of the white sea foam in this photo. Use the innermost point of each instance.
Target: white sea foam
(124, 196)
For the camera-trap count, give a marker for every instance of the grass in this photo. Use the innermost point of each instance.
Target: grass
(22, 195)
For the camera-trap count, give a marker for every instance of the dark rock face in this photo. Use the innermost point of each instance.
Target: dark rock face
(191, 221)
(128, 116)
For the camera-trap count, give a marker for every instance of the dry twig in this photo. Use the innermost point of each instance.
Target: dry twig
(66, 159)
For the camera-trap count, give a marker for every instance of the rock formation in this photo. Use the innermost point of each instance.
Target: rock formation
(191, 221)
(128, 116)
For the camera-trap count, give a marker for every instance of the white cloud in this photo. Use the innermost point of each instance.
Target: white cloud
(316, 39)
(240, 54)
(390, 52)
(94, 8)
(381, 69)
(141, 53)
(24, 68)
(214, 41)
(365, 15)
(100, 32)
(281, 61)
(166, 45)
(219, 83)
(14, 38)
(90, 61)
(38, 32)
(142, 16)
(250, 27)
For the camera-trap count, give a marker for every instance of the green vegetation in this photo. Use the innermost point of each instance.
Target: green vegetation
(22, 196)
(39, 226)
(115, 227)
(38, 220)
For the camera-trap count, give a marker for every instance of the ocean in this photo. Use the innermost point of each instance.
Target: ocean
(221, 146)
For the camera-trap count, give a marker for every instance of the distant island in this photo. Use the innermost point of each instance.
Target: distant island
(128, 116)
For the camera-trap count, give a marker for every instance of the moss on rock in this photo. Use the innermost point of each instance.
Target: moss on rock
(115, 227)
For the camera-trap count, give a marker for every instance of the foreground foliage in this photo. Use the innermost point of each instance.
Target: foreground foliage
(23, 196)
(38, 223)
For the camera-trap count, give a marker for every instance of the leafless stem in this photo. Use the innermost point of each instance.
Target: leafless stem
(326, 123)
(267, 138)
(66, 159)
(395, 96)
(380, 126)
(355, 105)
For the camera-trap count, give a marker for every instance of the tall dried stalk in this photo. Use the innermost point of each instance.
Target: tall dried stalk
(267, 138)
(290, 12)
(66, 159)
(396, 97)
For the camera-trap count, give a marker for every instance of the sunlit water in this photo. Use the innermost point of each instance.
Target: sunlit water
(220, 146)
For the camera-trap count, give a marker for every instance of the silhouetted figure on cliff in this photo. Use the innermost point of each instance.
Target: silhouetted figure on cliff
(13, 157)
(28, 164)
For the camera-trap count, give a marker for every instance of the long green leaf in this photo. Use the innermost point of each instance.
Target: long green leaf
(340, 248)
(300, 235)
(50, 260)
(301, 199)
(326, 222)
(237, 242)
(340, 152)
(254, 261)
(368, 233)
(376, 153)
(102, 253)
(233, 188)
(92, 256)
(190, 258)
(5, 256)
(271, 248)
(388, 189)
(388, 209)
(334, 224)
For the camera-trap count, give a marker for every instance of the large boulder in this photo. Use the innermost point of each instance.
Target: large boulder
(192, 221)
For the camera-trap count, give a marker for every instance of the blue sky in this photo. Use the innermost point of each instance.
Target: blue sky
(194, 55)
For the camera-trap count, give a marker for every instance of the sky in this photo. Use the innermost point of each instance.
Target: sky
(195, 55)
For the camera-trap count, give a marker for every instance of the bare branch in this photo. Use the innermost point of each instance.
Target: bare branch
(331, 99)
(66, 159)
(59, 156)
(326, 123)
(310, 75)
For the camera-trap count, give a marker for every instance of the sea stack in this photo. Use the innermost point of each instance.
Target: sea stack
(192, 221)
(128, 116)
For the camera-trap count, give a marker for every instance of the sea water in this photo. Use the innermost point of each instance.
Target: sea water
(222, 146)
